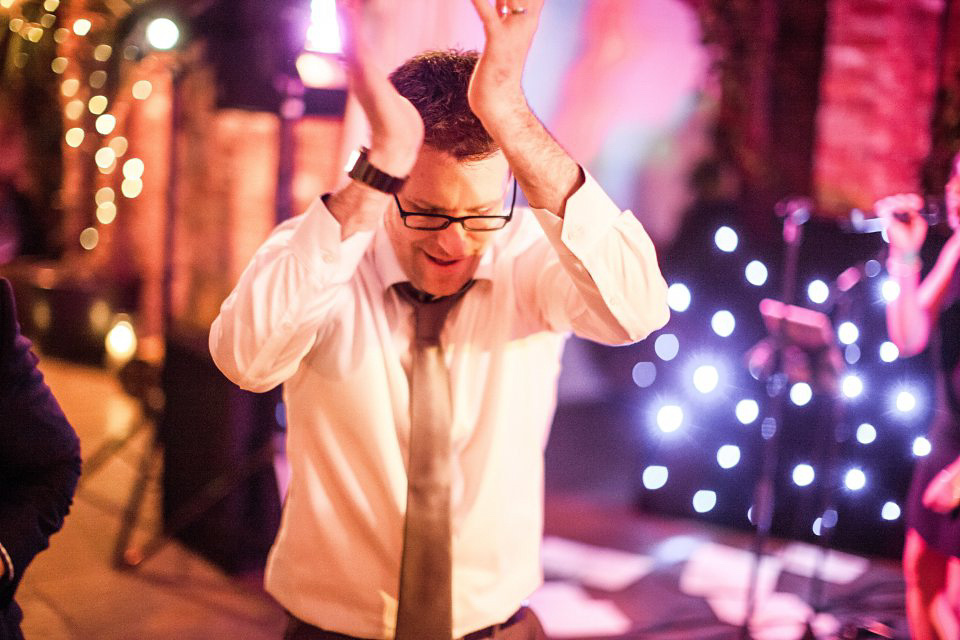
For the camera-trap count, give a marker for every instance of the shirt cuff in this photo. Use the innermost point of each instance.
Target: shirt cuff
(9, 574)
(317, 243)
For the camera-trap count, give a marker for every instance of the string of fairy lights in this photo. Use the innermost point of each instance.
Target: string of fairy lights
(93, 127)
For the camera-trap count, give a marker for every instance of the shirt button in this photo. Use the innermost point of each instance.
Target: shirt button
(327, 256)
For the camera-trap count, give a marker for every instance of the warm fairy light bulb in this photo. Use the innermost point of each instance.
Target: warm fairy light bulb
(105, 194)
(102, 52)
(106, 212)
(59, 65)
(98, 78)
(74, 137)
(105, 124)
(119, 146)
(133, 168)
(51, 5)
(131, 187)
(89, 238)
(97, 105)
(142, 89)
(105, 157)
(74, 109)
(81, 27)
(69, 87)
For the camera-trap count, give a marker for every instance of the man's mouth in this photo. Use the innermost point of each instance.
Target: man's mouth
(439, 262)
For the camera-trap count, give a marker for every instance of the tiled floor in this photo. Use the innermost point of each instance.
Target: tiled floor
(72, 591)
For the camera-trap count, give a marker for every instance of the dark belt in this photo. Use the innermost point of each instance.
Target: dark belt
(487, 632)
(305, 631)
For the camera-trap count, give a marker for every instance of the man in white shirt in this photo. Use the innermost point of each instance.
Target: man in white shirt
(430, 203)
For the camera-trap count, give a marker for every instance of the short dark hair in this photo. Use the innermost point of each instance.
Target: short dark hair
(436, 83)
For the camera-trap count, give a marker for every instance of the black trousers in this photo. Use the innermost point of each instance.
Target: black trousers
(522, 625)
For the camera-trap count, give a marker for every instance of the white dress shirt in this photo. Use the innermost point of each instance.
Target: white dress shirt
(319, 315)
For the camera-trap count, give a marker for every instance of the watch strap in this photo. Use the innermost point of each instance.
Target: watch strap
(360, 169)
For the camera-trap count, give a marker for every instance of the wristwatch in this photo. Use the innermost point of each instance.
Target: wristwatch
(359, 168)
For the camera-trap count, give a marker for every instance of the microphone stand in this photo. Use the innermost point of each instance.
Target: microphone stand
(795, 213)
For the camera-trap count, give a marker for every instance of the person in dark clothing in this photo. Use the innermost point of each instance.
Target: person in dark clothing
(39, 462)
(927, 312)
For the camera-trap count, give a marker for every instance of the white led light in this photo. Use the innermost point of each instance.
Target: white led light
(866, 433)
(855, 479)
(890, 511)
(644, 374)
(706, 378)
(747, 411)
(163, 34)
(921, 447)
(669, 418)
(723, 323)
(756, 273)
(818, 291)
(905, 401)
(852, 386)
(889, 351)
(847, 332)
(678, 297)
(801, 394)
(666, 346)
(726, 239)
(728, 456)
(655, 477)
(803, 475)
(890, 290)
(704, 500)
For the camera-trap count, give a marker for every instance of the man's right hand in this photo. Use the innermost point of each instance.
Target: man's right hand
(396, 129)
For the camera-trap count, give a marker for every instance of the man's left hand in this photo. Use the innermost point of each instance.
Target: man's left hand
(509, 26)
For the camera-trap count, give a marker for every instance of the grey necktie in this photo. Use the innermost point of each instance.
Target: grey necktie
(425, 607)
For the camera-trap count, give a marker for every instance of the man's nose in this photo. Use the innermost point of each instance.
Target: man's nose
(453, 239)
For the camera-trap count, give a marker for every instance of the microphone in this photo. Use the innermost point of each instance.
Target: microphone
(934, 211)
(797, 209)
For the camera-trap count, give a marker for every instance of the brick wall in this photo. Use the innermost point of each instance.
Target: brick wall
(877, 95)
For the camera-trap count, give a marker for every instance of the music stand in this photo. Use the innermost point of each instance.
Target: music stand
(800, 347)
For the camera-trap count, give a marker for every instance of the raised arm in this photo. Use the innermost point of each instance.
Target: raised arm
(911, 317)
(288, 292)
(396, 130)
(545, 171)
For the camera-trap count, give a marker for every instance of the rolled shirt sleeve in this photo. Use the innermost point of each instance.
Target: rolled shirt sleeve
(270, 320)
(618, 294)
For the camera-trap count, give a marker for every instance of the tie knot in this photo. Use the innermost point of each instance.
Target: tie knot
(429, 312)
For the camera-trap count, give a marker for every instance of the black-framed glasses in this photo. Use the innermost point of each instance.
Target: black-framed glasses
(438, 221)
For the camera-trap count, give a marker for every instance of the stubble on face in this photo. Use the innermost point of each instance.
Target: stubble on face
(442, 262)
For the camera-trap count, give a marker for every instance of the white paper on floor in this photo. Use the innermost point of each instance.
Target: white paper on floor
(591, 566)
(836, 567)
(719, 569)
(721, 575)
(777, 616)
(567, 611)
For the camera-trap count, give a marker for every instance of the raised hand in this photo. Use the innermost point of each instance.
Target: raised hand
(509, 26)
(943, 493)
(906, 229)
(395, 126)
